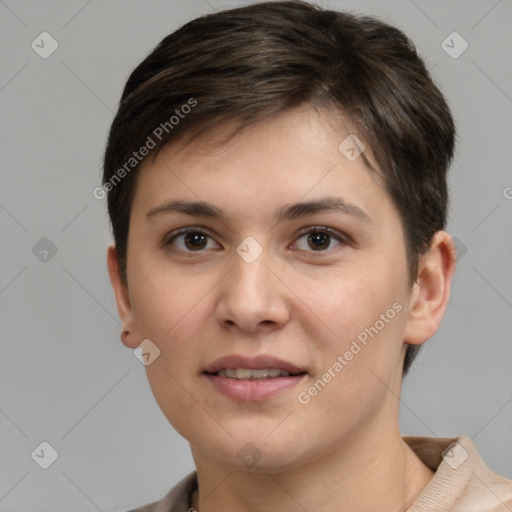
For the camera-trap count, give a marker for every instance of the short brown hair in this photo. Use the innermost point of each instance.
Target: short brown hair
(247, 64)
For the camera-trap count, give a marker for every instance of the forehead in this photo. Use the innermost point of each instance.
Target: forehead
(298, 155)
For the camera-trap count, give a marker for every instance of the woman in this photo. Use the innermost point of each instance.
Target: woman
(276, 179)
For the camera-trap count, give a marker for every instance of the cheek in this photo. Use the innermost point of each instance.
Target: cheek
(357, 371)
(357, 328)
(171, 310)
(165, 297)
(349, 301)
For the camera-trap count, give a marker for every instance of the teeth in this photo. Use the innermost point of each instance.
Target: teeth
(257, 374)
(247, 373)
(242, 373)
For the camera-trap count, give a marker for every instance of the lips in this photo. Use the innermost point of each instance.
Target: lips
(234, 362)
(252, 378)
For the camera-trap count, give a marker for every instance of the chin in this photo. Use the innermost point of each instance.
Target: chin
(255, 454)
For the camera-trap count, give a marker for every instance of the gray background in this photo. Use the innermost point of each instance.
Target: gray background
(65, 378)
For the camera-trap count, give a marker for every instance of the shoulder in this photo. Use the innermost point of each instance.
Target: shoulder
(462, 481)
(150, 507)
(176, 500)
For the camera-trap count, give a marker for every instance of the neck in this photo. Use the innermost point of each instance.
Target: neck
(369, 472)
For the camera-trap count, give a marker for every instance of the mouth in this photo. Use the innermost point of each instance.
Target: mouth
(260, 378)
(252, 374)
(260, 367)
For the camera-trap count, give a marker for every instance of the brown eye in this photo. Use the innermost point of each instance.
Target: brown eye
(319, 240)
(192, 241)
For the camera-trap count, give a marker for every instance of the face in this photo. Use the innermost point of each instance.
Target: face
(293, 260)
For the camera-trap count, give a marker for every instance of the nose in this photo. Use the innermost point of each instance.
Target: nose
(252, 296)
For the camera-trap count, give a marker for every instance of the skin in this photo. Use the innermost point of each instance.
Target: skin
(343, 450)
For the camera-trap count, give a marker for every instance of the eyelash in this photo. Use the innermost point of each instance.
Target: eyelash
(339, 237)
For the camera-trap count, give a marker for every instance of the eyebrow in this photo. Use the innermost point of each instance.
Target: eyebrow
(325, 204)
(193, 208)
(286, 212)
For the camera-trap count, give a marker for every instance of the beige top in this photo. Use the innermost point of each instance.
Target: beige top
(461, 483)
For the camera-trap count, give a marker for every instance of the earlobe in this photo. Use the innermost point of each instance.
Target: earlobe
(431, 292)
(122, 297)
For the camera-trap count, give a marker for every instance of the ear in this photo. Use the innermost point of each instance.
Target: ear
(431, 291)
(124, 307)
